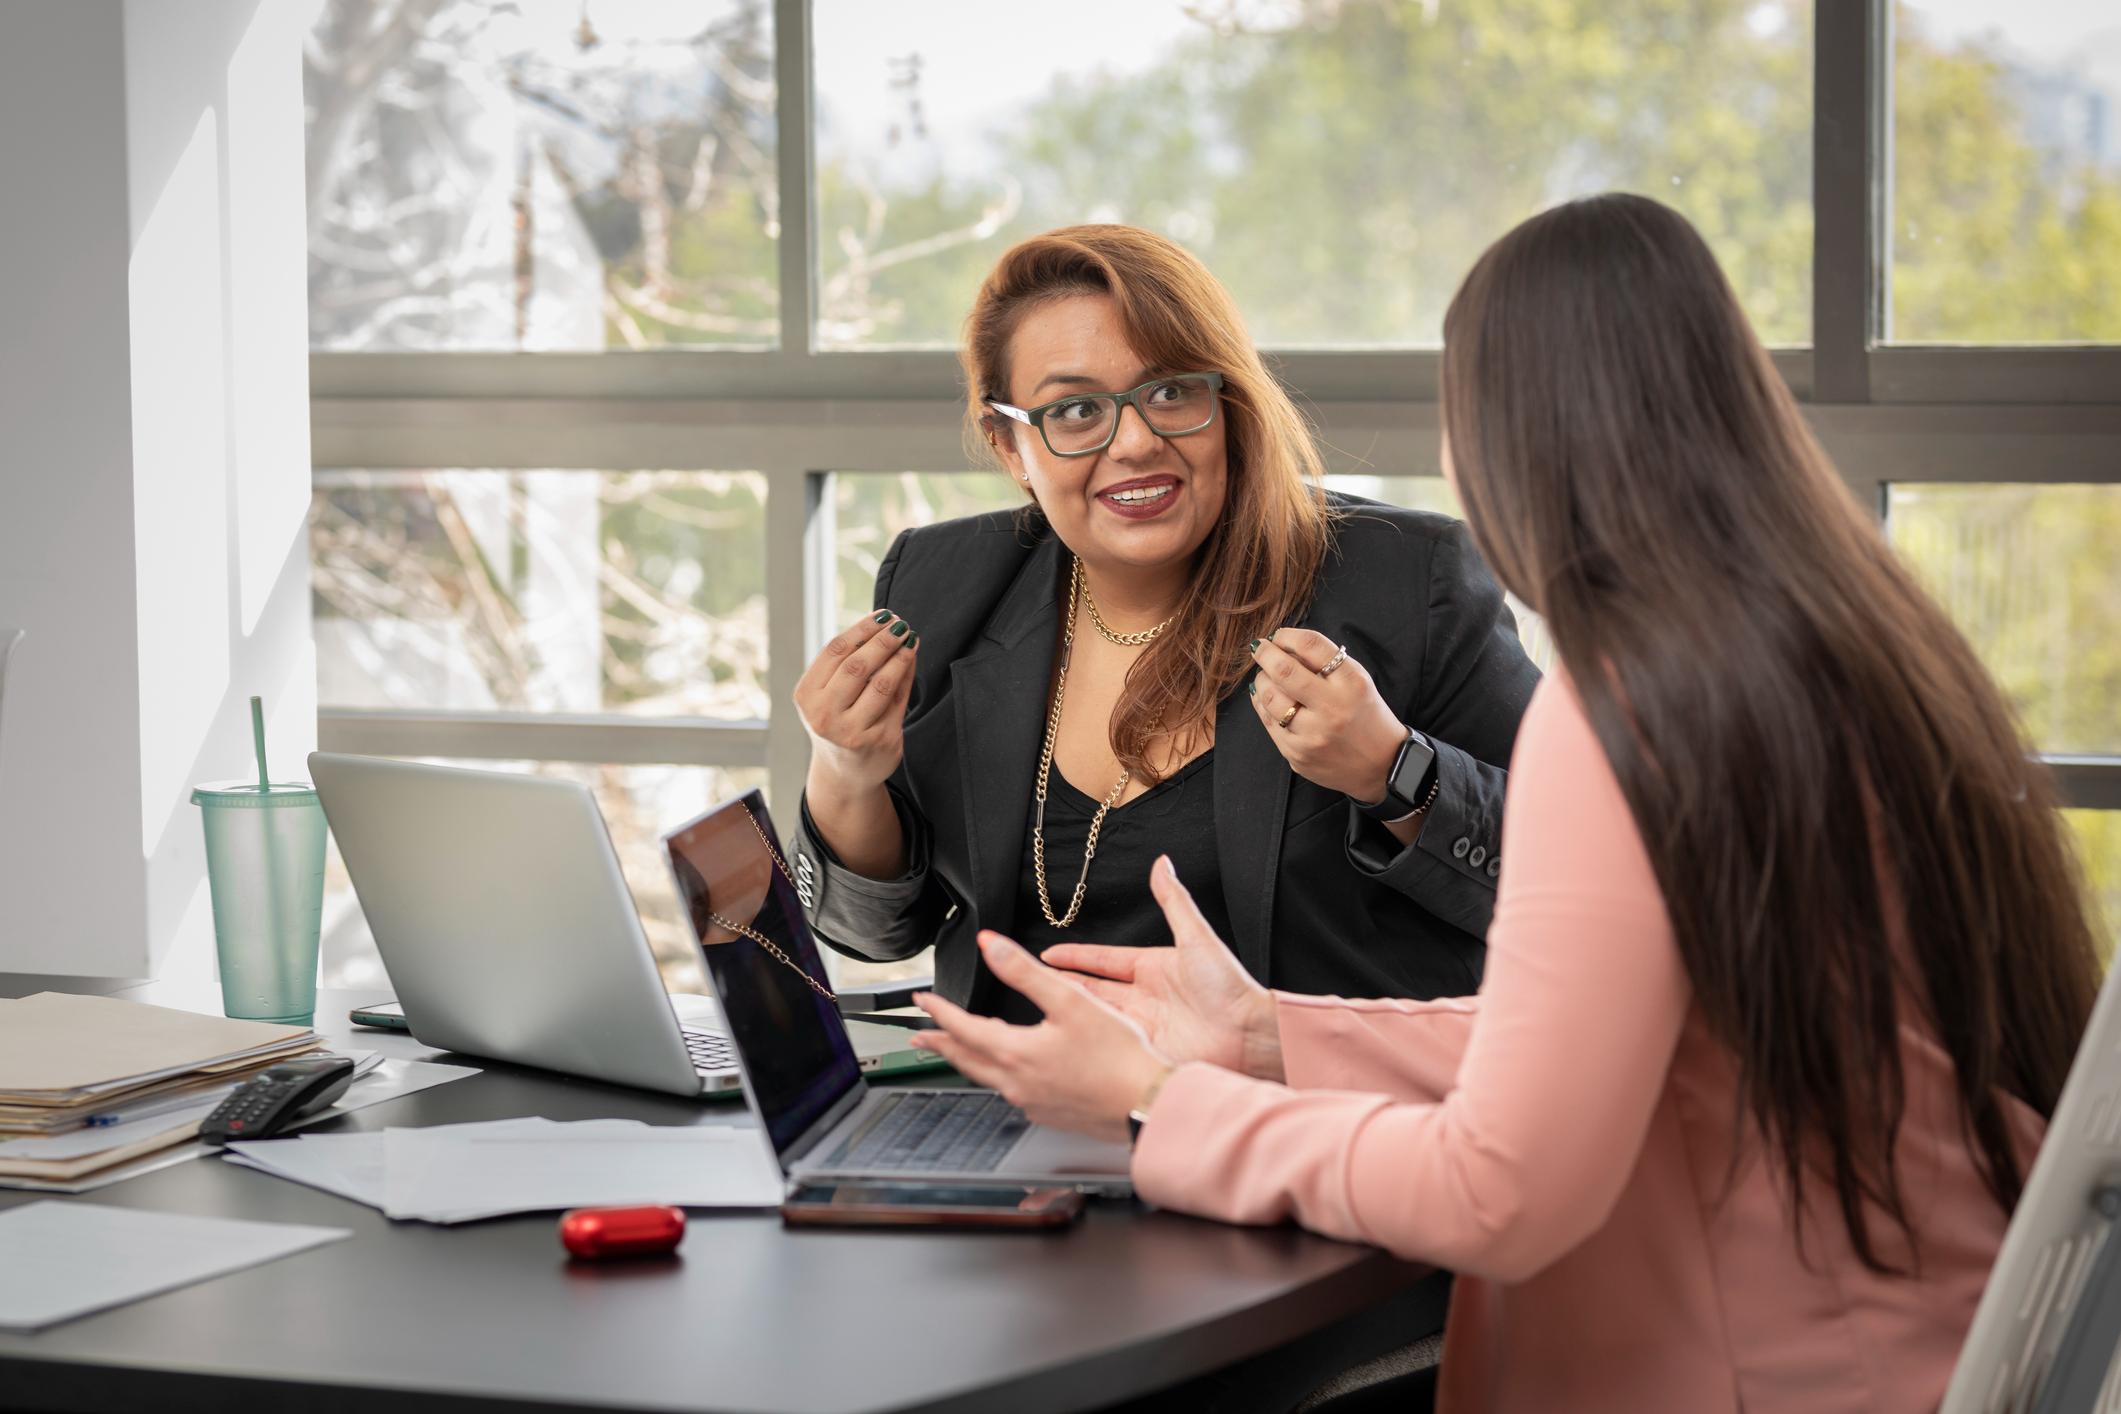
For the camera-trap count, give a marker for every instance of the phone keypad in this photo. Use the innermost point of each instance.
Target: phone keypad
(246, 1106)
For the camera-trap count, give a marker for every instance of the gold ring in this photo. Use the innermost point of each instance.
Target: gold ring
(1332, 663)
(1289, 716)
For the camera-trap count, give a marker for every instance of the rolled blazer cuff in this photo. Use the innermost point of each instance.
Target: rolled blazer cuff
(873, 919)
(1451, 867)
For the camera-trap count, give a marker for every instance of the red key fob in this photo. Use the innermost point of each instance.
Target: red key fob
(597, 1233)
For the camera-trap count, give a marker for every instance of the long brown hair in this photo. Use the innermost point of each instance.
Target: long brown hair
(1837, 801)
(1258, 566)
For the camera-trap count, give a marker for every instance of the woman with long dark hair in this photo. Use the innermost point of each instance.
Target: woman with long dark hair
(1790, 957)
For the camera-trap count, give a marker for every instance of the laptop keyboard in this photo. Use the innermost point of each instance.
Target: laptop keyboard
(953, 1133)
(711, 1051)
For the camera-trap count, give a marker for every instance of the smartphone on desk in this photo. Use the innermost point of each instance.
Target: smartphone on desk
(387, 1016)
(895, 1205)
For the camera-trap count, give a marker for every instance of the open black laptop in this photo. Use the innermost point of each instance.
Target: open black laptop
(800, 1074)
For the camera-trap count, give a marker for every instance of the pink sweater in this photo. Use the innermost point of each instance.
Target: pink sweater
(1564, 1142)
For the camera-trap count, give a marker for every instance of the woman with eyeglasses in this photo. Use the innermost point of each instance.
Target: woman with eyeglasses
(1042, 702)
(1790, 959)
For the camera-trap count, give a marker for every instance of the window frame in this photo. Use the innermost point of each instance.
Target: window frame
(798, 415)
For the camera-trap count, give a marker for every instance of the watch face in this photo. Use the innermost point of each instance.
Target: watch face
(1412, 768)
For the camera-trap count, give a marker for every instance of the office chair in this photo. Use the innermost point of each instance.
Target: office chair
(2046, 1338)
(1402, 1381)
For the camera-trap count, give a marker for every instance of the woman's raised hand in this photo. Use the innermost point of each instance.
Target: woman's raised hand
(852, 700)
(1083, 1068)
(1194, 1000)
(1340, 734)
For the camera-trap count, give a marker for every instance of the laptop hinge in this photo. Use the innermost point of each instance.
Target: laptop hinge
(824, 1124)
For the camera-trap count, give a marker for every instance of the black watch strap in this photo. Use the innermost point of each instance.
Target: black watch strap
(1410, 785)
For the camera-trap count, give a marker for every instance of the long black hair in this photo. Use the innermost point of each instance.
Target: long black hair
(1841, 810)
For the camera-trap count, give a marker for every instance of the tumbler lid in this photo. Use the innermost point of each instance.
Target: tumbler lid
(249, 795)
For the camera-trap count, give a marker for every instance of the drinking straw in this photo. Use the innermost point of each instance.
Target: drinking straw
(257, 736)
(273, 866)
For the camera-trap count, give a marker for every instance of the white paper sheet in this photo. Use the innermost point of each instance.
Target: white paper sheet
(389, 1078)
(349, 1165)
(464, 1172)
(67, 1259)
(431, 1172)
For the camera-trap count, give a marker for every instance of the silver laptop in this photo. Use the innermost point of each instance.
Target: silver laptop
(801, 1077)
(497, 904)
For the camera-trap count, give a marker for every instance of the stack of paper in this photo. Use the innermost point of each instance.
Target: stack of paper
(121, 1136)
(376, 1080)
(70, 1063)
(461, 1172)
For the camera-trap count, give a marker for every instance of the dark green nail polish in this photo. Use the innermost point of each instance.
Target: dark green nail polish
(898, 630)
(914, 642)
(1252, 686)
(884, 617)
(1255, 645)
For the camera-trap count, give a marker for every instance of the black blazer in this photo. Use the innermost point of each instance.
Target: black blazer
(1320, 898)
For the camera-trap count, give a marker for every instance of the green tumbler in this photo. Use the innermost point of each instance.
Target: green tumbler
(265, 863)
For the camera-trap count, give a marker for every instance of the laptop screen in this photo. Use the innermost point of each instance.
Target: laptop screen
(789, 1037)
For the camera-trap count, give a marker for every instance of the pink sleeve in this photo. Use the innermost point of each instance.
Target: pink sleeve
(1525, 1154)
(1409, 1050)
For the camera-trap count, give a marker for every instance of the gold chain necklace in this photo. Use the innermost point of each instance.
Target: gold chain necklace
(1125, 640)
(1076, 590)
(745, 930)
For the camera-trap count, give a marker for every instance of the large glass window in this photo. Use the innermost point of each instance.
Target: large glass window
(1338, 163)
(541, 174)
(2098, 836)
(870, 511)
(2006, 172)
(2032, 576)
(556, 591)
(593, 176)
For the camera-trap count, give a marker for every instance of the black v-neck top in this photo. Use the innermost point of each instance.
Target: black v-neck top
(1176, 816)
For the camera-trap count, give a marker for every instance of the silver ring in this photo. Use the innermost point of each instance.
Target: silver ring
(1332, 663)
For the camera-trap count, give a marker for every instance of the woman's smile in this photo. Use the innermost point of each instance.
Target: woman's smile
(1141, 497)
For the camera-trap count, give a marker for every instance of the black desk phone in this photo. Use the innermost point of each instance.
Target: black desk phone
(276, 1097)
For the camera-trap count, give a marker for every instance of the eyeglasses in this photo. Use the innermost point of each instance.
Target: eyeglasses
(1085, 423)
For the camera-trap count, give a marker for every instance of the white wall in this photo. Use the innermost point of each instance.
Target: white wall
(154, 461)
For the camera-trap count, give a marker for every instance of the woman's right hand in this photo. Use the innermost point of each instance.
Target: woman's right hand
(852, 700)
(1194, 999)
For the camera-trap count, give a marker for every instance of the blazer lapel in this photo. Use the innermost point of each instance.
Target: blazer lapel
(1251, 809)
(1000, 693)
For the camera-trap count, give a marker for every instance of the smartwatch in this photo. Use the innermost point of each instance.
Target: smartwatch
(1411, 783)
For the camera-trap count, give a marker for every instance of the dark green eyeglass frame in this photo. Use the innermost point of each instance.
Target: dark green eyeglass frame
(1036, 417)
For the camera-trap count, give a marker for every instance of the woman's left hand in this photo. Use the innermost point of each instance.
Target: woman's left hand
(1081, 1069)
(1343, 736)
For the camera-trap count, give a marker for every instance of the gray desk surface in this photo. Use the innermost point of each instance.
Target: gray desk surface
(748, 1317)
